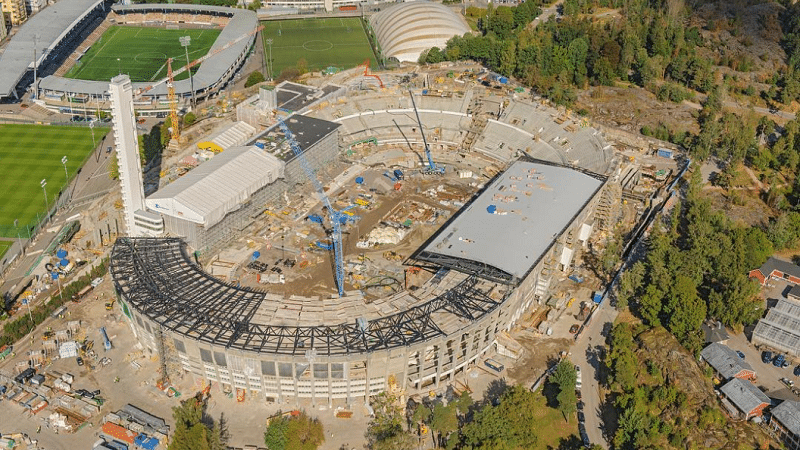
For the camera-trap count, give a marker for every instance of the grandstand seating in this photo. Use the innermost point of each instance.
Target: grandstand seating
(538, 130)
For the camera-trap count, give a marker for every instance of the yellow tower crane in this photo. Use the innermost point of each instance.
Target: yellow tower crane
(175, 131)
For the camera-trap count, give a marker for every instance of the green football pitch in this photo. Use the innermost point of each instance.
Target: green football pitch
(30, 153)
(323, 43)
(141, 52)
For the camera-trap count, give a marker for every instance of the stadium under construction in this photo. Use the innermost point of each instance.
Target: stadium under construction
(520, 166)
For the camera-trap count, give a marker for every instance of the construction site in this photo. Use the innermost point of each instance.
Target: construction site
(321, 242)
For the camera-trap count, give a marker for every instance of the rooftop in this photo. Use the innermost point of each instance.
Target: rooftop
(532, 202)
(781, 326)
(49, 26)
(744, 394)
(724, 360)
(213, 189)
(294, 97)
(788, 414)
(714, 332)
(780, 265)
(118, 432)
(307, 131)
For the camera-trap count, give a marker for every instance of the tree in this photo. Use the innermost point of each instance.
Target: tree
(113, 167)
(166, 135)
(505, 426)
(219, 436)
(444, 421)
(189, 118)
(629, 283)
(254, 78)
(385, 430)
(565, 376)
(190, 432)
(300, 432)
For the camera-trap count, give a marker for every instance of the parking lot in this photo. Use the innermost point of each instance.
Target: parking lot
(769, 376)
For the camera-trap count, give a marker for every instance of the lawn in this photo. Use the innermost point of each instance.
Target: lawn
(4, 246)
(30, 153)
(141, 52)
(323, 43)
(551, 428)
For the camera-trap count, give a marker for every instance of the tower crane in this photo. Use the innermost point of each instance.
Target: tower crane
(175, 131)
(337, 218)
(432, 169)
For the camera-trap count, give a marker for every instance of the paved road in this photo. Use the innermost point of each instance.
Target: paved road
(586, 353)
(546, 13)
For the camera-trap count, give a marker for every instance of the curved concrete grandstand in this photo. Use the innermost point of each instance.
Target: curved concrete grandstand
(404, 31)
(49, 34)
(228, 53)
(474, 125)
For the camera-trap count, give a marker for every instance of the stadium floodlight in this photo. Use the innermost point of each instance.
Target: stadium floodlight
(269, 59)
(185, 42)
(64, 162)
(119, 67)
(44, 183)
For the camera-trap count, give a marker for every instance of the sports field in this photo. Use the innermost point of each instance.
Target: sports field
(323, 43)
(30, 153)
(142, 53)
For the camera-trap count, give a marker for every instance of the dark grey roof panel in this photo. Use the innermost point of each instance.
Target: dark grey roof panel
(744, 394)
(724, 360)
(788, 414)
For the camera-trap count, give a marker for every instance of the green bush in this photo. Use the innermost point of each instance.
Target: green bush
(254, 78)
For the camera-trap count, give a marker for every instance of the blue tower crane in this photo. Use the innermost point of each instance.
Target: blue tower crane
(432, 169)
(336, 218)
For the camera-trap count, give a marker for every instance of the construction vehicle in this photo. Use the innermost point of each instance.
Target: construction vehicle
(48, 335)
(110, 305)
(336, 218)
(432, 168)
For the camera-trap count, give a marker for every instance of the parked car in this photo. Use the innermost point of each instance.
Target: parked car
(789, 383)
(79, 360)
(797, 371)
(578, 381)
(741, 355)
(766, 357)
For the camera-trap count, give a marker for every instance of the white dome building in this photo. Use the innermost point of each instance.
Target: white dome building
(406, 30)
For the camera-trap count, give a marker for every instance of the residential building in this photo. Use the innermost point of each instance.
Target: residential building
(746, 397)
(777, 268)
(785, 422)
(726, 363)
(15, 11)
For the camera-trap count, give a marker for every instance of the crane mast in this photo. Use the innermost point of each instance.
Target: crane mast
(173, 103)
(432, 168)
(335, 217)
